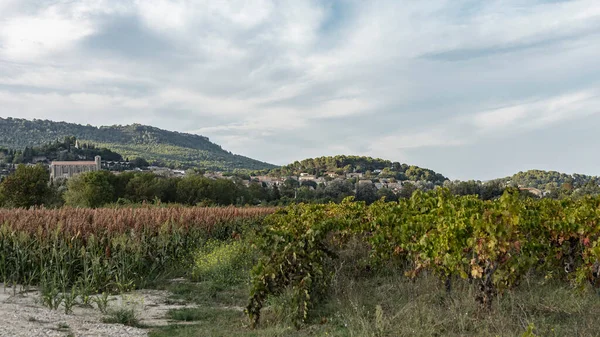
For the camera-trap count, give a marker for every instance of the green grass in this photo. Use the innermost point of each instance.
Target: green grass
(393, 306)
(378, 302)
(201, 314)
(125, 316)
(207, 294)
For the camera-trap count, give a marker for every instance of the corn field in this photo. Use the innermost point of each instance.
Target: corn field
(89, 251)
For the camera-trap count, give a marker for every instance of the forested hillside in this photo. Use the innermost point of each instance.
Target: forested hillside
(66, 150)
(160, 147)
(350, 164)
(546, 180)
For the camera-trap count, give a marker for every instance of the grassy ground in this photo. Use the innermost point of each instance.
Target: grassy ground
(390, 305)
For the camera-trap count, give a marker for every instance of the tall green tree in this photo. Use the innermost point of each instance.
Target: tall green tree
(337, 190)
(90, 189)
(388, 194)
(148, 187)
(257, 193)
(224, 192)
(407, 190)
(28, 186)
(194, 189)
(2, 197)
(366, 193)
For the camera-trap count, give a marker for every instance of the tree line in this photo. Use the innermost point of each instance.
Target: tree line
(31, 186)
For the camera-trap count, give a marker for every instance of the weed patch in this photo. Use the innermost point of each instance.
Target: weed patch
(125, 316)
(223, 263)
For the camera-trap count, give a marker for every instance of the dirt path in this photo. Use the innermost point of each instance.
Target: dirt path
(23, 315)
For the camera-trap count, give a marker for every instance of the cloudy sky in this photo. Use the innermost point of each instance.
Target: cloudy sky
(472, 89)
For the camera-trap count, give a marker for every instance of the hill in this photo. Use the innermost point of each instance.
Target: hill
(359, 164)
(547, 180)
(159, 147)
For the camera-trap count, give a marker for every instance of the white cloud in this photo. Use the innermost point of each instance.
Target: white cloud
(539, 113)
(522, 117)
(30, 38)
(500, 118)
(180, 16)
(392, 79)
(164, 15)
(433, 137)
(7, 6)
(81, 108)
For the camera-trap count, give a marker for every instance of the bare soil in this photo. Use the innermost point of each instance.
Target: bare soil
(23, 315)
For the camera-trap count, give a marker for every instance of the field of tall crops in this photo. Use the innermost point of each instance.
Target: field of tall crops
(72, 252)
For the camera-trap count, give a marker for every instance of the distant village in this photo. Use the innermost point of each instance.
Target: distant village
(312, 181)
(304, 179)
(67, 169)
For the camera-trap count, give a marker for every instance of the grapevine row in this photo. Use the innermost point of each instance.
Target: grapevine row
(493, 244)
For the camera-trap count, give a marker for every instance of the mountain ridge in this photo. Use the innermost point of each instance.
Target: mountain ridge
(162, 147)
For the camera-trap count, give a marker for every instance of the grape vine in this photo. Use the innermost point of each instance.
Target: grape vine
(494, 243)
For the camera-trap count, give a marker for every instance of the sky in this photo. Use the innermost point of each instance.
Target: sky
(471, 89)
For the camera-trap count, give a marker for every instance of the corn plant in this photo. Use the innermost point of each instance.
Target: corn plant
(75, 253)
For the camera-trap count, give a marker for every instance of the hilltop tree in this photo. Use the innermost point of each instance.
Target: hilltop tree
(358, 164)
(337, 190)
(366, 193)
(388, 194)
(140, 162)
(407, 190)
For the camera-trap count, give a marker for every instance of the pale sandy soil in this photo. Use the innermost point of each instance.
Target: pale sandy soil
(23, 315)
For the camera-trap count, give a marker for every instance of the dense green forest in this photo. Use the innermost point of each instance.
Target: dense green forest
(159, 147)
(359, 164)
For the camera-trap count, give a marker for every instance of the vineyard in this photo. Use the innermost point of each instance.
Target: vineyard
(73, 253)
(492, 245)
